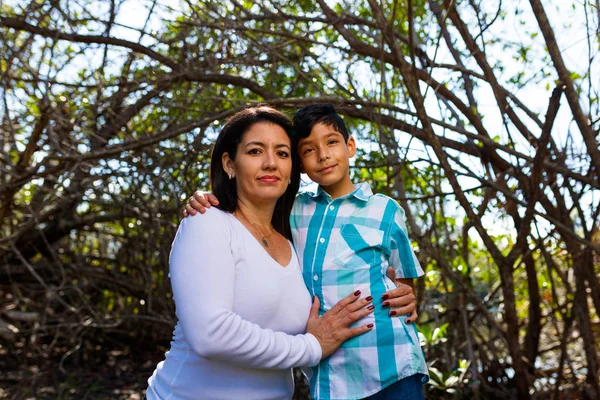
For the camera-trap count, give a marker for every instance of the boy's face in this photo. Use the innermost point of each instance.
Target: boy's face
(325, 156)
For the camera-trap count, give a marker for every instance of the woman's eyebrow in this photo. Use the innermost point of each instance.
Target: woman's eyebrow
(261, 144)
(255, 143)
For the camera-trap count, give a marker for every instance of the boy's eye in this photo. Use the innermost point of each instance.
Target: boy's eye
(307, 150)
(332, 141)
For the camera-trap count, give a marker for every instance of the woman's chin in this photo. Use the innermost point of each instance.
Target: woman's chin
(264, 193)
(268, 197)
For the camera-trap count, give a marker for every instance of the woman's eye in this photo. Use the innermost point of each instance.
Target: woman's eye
(254, 151)
(283, 154)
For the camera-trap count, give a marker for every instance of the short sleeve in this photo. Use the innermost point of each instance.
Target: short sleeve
(402, 257)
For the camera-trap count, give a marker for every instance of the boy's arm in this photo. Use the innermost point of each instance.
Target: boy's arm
(199, 201)
(404, 266)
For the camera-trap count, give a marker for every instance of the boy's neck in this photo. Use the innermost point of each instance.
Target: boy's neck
(341, 188)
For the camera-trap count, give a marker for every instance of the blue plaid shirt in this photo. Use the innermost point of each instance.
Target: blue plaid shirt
(344, 245)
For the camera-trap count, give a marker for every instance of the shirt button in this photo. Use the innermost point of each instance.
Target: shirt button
(322, 240)
(331, 207)
(316, 277)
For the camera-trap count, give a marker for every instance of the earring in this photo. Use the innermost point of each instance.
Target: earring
(289, 182)
(230, 175)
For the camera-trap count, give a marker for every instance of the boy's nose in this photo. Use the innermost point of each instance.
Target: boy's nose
(324, 155)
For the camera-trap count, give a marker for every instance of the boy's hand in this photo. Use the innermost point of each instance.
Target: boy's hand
(200, 201)
(403, 299)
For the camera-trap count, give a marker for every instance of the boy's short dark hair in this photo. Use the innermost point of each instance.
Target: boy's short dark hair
(306, 118)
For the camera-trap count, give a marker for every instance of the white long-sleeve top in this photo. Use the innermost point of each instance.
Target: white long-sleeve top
(241, 316)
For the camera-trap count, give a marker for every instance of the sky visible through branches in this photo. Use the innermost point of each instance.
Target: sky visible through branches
(135, 16)
(464, 113)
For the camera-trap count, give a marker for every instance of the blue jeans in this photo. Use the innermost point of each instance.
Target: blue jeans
(410, 388)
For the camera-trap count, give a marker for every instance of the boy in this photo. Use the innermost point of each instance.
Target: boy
(346, 238)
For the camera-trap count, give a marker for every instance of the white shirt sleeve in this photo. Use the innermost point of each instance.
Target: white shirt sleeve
(202, 271)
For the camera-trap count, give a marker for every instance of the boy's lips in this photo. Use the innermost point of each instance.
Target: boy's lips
(327, 169)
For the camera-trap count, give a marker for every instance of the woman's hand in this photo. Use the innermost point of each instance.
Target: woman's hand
(200, 201)
(333, 328)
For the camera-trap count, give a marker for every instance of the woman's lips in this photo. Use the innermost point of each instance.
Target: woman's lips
(268, 179)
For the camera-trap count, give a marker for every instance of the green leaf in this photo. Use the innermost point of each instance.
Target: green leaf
(452, 381)
(435, 375)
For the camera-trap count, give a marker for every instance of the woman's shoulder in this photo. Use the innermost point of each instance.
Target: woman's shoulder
(213, 220)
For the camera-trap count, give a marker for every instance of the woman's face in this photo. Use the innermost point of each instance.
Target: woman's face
(263, 163)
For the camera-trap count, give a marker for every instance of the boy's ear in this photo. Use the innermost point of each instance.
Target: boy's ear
(351, 147)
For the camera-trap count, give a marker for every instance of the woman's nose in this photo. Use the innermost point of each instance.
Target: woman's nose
(269, 161)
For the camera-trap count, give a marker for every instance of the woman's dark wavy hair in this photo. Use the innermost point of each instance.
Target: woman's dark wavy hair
(227, 142)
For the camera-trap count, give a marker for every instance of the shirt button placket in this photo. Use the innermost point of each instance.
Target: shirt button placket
(322, 241)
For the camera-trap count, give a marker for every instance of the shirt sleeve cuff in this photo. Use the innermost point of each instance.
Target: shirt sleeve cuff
(316, 350)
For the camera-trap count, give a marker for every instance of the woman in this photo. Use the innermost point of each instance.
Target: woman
(241, 302)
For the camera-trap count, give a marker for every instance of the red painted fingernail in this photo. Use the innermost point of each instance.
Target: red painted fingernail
(357, 293)
(369, 298)
(370, 326)
(386, 304)
(385, 297)
(392, 312)
(371, 307)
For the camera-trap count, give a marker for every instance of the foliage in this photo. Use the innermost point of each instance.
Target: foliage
(472, 114)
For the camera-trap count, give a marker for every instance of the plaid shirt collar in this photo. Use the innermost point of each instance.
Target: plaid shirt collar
(362, 192)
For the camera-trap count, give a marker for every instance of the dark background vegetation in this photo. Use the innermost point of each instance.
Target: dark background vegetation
(472, 114)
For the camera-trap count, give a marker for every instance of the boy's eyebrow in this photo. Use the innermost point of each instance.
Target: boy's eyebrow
(305, 141)
(261, 144)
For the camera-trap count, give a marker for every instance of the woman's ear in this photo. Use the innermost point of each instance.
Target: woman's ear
(228, 165)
